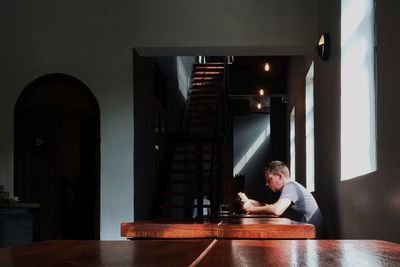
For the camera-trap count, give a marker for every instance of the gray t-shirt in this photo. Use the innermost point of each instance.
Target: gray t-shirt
(304, 203)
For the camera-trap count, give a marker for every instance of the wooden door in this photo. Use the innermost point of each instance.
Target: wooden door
(57, 156)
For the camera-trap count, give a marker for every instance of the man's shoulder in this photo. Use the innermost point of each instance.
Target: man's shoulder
(289, 187)
(290, 184)
(294, 184)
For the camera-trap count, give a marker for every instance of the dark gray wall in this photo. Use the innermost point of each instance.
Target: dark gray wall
(144, 155)
(298, 68)
(366, 206)
(246, 130)
(175, 99)
(278, 128)
(147, 161)
(224, 27)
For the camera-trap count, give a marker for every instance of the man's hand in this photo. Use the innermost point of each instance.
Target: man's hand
(256, 203)
(249, 207)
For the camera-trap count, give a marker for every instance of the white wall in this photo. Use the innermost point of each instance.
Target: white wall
(83, 40)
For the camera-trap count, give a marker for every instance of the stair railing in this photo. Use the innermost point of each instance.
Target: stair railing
(217, 154)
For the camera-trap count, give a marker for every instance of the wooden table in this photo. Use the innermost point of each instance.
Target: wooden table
(231, 227)
(204, 252)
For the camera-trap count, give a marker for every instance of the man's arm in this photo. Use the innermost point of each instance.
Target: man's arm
(276, 209)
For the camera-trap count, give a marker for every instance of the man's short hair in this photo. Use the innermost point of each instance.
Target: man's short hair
(278, 166)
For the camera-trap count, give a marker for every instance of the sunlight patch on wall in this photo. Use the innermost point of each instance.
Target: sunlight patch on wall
(250, 152)
(310, 158)
(292, 144)
(183, 77)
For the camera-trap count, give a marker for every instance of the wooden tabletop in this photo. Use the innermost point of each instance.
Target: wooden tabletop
(302, 253)
(258, 228)
(204, 252)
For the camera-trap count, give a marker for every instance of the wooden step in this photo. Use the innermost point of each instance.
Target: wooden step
(203, 105)
(208, 67)
(193, 143)
(208, 64)
(208, 73)
(187, 181)
(198, 98)
(200, 128)
(202, 111)
(188, 176)
(182, 151)
(197, 144)
(190, 171)
(190, 161)
(206, 79)
(195, 113)
(202, 117)
(190, 166)
(205, 89)
(186, 194)
(203, 94)
(210, 131)
(201, 108)
(201, 123)
(195, 137)
(189, 155)
(204, 84)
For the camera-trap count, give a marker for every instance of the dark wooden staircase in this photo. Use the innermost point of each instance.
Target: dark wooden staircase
(192, 152)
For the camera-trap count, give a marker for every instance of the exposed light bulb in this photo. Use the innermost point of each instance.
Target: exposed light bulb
(267, 67)
(258, 105)
(261, 92)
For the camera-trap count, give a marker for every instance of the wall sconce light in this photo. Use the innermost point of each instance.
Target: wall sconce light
(324, 46)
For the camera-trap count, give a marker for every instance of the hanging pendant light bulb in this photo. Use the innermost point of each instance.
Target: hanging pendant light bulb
(261, 92)
(267, 67)
(259, 104)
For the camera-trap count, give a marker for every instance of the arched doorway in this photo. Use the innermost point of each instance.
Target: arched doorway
(57, 162)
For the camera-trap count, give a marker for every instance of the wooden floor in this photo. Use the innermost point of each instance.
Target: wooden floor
(233, 228)
(204, 252)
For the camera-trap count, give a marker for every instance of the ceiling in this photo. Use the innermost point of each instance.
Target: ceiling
(247, 76)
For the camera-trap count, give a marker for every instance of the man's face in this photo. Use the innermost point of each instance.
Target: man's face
(274, 181)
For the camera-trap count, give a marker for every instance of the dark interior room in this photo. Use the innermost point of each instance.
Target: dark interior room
(142, 132)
